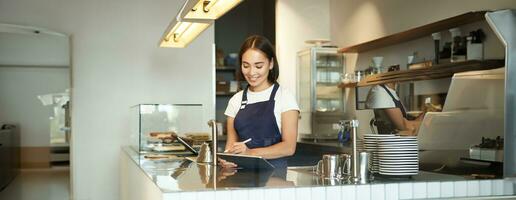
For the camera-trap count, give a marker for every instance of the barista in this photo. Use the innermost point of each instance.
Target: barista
(261, 119)
(390, 116)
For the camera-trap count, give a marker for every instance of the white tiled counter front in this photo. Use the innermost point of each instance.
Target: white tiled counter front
(137, 182)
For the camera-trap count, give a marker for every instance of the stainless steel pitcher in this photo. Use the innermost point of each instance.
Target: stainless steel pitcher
(329, 166)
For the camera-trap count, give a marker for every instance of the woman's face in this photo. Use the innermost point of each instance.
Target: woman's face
(255, 68)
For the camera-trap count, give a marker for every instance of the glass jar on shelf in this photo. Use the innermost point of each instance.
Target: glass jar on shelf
(348, 78)
(359, 75)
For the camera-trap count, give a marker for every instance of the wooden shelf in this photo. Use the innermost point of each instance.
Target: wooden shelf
(418, 32)
(347, 85)
(433, 72)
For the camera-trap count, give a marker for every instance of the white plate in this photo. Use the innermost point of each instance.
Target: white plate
(399, 171)
(388, 151)
(394, 140)
(398, 166)
(398, 151)
(398, 161)
(398, 147)
(400, 158)
(398, 174)
(411, 156)
(395, 144)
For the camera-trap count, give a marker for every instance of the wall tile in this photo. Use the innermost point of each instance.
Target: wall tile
(348, 192)
(508, 187)
(318, 193)
(188, 195)
(363, 192)
(391, 191)
(222, 195)
(271, 194)
(447, 189)
(433, 189)
(485, 187)
(497, 187)
(172, 195)
(254, 194)
(205, 195)
(378, 191)
(405, 191)
(419, 190)
(287, 193)
(304, 193)
(239, 194)
(333, 192)
(460, 189)
(473, 188)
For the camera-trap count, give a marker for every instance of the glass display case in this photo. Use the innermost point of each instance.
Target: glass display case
(320, 100)
(155, 127)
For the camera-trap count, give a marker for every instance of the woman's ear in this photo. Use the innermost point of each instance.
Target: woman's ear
(271, 64)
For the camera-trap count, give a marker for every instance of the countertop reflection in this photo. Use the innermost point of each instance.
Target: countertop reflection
(183, 174)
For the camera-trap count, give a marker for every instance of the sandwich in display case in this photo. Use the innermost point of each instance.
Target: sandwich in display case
(157, 127)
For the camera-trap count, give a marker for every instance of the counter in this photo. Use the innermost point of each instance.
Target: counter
(185, 179)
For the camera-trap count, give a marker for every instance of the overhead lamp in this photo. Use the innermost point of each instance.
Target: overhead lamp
(194, 17)
(207, 9)
(180, 33)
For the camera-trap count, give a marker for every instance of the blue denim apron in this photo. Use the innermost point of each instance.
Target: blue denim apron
(257, 121)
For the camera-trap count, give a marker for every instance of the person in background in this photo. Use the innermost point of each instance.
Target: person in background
(264, 113)
(390, 115)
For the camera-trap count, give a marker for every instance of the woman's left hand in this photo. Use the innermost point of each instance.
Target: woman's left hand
(237, 148)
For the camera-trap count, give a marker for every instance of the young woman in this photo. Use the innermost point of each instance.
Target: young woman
(264, 113)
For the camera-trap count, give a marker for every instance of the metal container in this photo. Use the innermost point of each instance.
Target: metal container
(363, 175)
(205, 154)
(329, 166)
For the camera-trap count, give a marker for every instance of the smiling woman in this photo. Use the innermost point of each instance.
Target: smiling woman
(263, 112)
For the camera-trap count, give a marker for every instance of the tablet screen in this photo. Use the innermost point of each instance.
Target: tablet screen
(246, 161)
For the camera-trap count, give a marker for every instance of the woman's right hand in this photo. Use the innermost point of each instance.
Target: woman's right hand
(226, 164)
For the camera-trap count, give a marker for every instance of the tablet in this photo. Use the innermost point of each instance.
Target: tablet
(246, 161)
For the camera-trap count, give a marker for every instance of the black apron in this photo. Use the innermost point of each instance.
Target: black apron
(387, 127)
(257, 121)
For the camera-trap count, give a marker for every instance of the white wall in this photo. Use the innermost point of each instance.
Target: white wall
(296, 22)
(117, 63)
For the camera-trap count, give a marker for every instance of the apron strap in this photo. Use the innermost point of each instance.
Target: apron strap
(244, 95)
(244, 98)
(274, 90)
(396, 102)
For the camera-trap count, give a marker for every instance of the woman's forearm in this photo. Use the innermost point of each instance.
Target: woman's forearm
(277, 150)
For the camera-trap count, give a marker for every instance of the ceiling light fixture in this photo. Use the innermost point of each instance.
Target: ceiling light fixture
(180, 33)
(207, 9)
(194, 17)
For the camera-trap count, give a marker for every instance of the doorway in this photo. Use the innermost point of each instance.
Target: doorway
(35, 82)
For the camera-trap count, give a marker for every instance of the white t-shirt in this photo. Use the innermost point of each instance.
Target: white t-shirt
(283, 101)
(379, 98)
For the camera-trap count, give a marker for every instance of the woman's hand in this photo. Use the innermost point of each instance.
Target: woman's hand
(226, 172)
(237, 148)
(226, 164)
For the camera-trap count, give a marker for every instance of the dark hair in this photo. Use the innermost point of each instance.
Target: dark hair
(260, 43)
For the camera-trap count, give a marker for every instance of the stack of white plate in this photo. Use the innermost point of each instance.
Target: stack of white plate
(371, 145)
(392, 155)
(398, 156)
